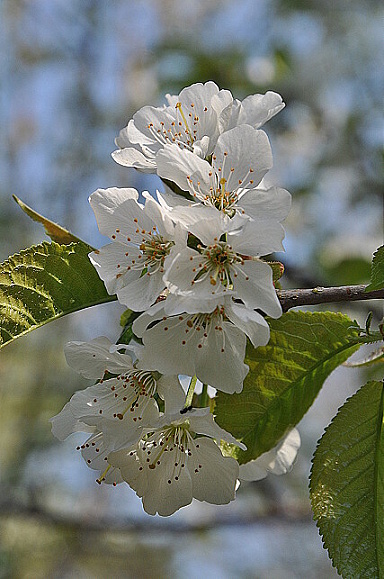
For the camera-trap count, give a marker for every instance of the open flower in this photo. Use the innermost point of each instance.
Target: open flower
(193, 120)
(219, 267)
(190, 121)
(119, 405)
(143, 236)
(208, 345)
(115, 410)
(240, 159)
(177, 461)
(231, 183)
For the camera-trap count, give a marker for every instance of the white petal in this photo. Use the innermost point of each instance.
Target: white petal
(268, 204)
(153, 313)
(121, 270)
(141, 293)
(65, 423)
(242, 148)
(181, 273)
(168, 199)
(189, 303)
(196, 104)
(229, 116)
(249, 322)
(117, 265)
(213, 476)
(177, 165)
(259, 237)
(174, 345)
(169, 487)
(95, 452)
(164, 349)
(257, 109)
(130, 157)
(222, 104)
(202, 422)
(164, 488)
(130, 468)
(220, 360)
(120, 433)
(108, 200)
(254, 286)
(130, 135)
(119, 215)
(147, 121)
(171, 391)
(92, 359)
(160, 216)
(201, 147)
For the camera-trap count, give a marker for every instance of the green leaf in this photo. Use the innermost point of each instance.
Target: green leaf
(285, 377)
(126, 320)
(53, 230)
(277, 270)
(45, 282)
(377, 271)
(347, 485)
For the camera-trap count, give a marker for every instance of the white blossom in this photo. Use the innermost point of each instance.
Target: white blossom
(171, 465)
(220, 267)
(210, 345)
(231, 183)
(190, 120)
(116, 409)
(143, 236)
(240, 159)
(193, 120)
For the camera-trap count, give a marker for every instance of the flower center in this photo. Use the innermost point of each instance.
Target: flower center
(155, 249)
(203, 325)
(222, 199)
(143, 384)
(219, 261)
(173, 438)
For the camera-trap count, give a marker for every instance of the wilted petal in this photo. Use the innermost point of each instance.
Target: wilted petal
(278, 460)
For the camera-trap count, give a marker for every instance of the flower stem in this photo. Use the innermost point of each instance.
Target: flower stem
(204, 398)
(191, 390)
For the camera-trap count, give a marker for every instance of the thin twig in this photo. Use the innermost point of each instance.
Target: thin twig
(323, 295)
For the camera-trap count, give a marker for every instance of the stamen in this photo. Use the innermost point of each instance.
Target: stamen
(103, 475)
(179, 107)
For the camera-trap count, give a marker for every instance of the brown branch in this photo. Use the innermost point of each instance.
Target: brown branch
(323, 295)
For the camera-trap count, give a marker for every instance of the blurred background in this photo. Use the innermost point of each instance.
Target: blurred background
(72, 73)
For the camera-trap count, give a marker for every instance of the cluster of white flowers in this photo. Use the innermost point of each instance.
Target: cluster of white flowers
(189, 261)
